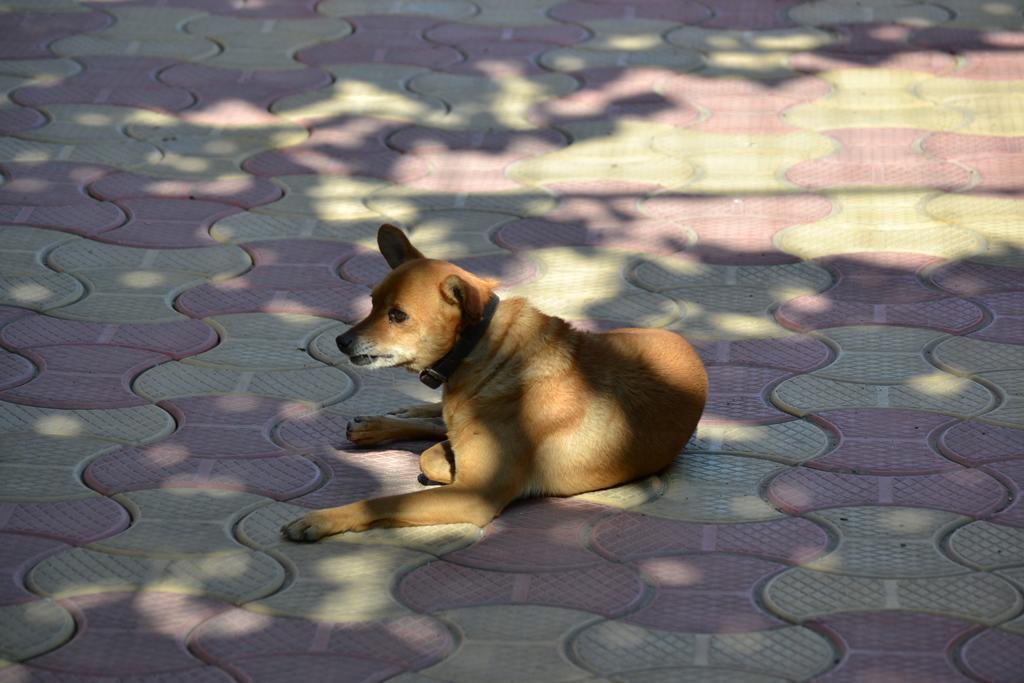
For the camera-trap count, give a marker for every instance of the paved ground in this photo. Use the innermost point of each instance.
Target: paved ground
(827, 196)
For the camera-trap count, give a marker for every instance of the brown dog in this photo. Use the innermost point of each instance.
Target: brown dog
(530, 405)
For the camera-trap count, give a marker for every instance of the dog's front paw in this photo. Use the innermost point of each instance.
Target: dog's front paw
(315, 525)
(366, 430)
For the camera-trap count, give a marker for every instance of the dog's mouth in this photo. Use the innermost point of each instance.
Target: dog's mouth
(368, 359)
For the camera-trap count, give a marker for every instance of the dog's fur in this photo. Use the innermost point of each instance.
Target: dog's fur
(537, 407)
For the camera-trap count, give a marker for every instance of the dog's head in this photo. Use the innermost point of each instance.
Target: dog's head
(419, 309)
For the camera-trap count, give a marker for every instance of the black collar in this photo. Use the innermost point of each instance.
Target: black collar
(438, 373)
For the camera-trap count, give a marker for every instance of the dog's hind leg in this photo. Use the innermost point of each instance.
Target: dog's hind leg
(437, 463)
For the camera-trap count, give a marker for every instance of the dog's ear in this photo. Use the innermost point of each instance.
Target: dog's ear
(470, 297)
(395, 246)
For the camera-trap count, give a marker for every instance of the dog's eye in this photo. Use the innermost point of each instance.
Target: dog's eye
(397, 315)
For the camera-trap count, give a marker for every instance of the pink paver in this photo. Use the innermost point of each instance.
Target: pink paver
(965, 491)
(265, 9)
(237, 636)
(998, 162)
(21, 553)
(176, 339)
(85, 218)
(243, 192)
(48, 183)
(878, 157)
(820, 311)
(548, 533)
(742, 106)
(1007, 310)
(630, 536)
(463, 162)
(77, 522)
(685, 12)
(608, 589)
(111, 80)
(384, 39)
(995, 655)
(27, 35)
(242, 96)
(127, 634)
(976, 443)
(278, 477)
(352, 476)
(968, 278)
(84, 377)
(884, 442)
(737, 394)
(709, 593)
(289, 276)
(346, 146)
(750, 15)
(168, 223)
(798, 353)
(738, 230)
(896, 646)
(18, 119)
(957, 40)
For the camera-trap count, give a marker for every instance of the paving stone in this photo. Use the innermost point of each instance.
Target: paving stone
(600, 292)
(971, 279)
(143, 32)
(32, 628)
(966, 491)
(1010, 389)
(450, 10)
(260, 340)
(878, 157)
(407, 205)
(987, 546)
(796, 352)
(889, 542)
(177, 340)
(49, 183)
(166, 223)
(755, 55)
(1012, 473)
(366, 90)
(524, 642)
(327, 198)
(790, 442)
(347, 146)
(710, 593)
(338, 581)
(993, 159)
(607, 589)
(263, 43)
(84, 376)
(993, 104)
(548, 534)
(714, 488)
(896, 646)
(30, 32)
(244, 192)
(27, 282)
(803, 594)
(877, 354)
(737, 394)
(21, 553)
(15, 370)
(974, 442)
(381, 39)
(994, 655)
(259, 645)
(125, 154)
(885, 442)
(863, 221)
(1008, 318)
(72, 521)
(630, 536)
(130, 634)
(40, 468)
(137, 424)
(614, 43)
(791, 652)
(738, 229)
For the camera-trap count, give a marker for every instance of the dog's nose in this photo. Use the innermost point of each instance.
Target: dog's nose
(345, 342)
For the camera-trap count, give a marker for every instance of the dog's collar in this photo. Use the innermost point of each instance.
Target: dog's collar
(438, 373)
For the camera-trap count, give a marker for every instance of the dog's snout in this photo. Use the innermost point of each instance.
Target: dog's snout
(346, 342)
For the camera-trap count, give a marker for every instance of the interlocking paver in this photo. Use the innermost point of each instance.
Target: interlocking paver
(823, 195)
